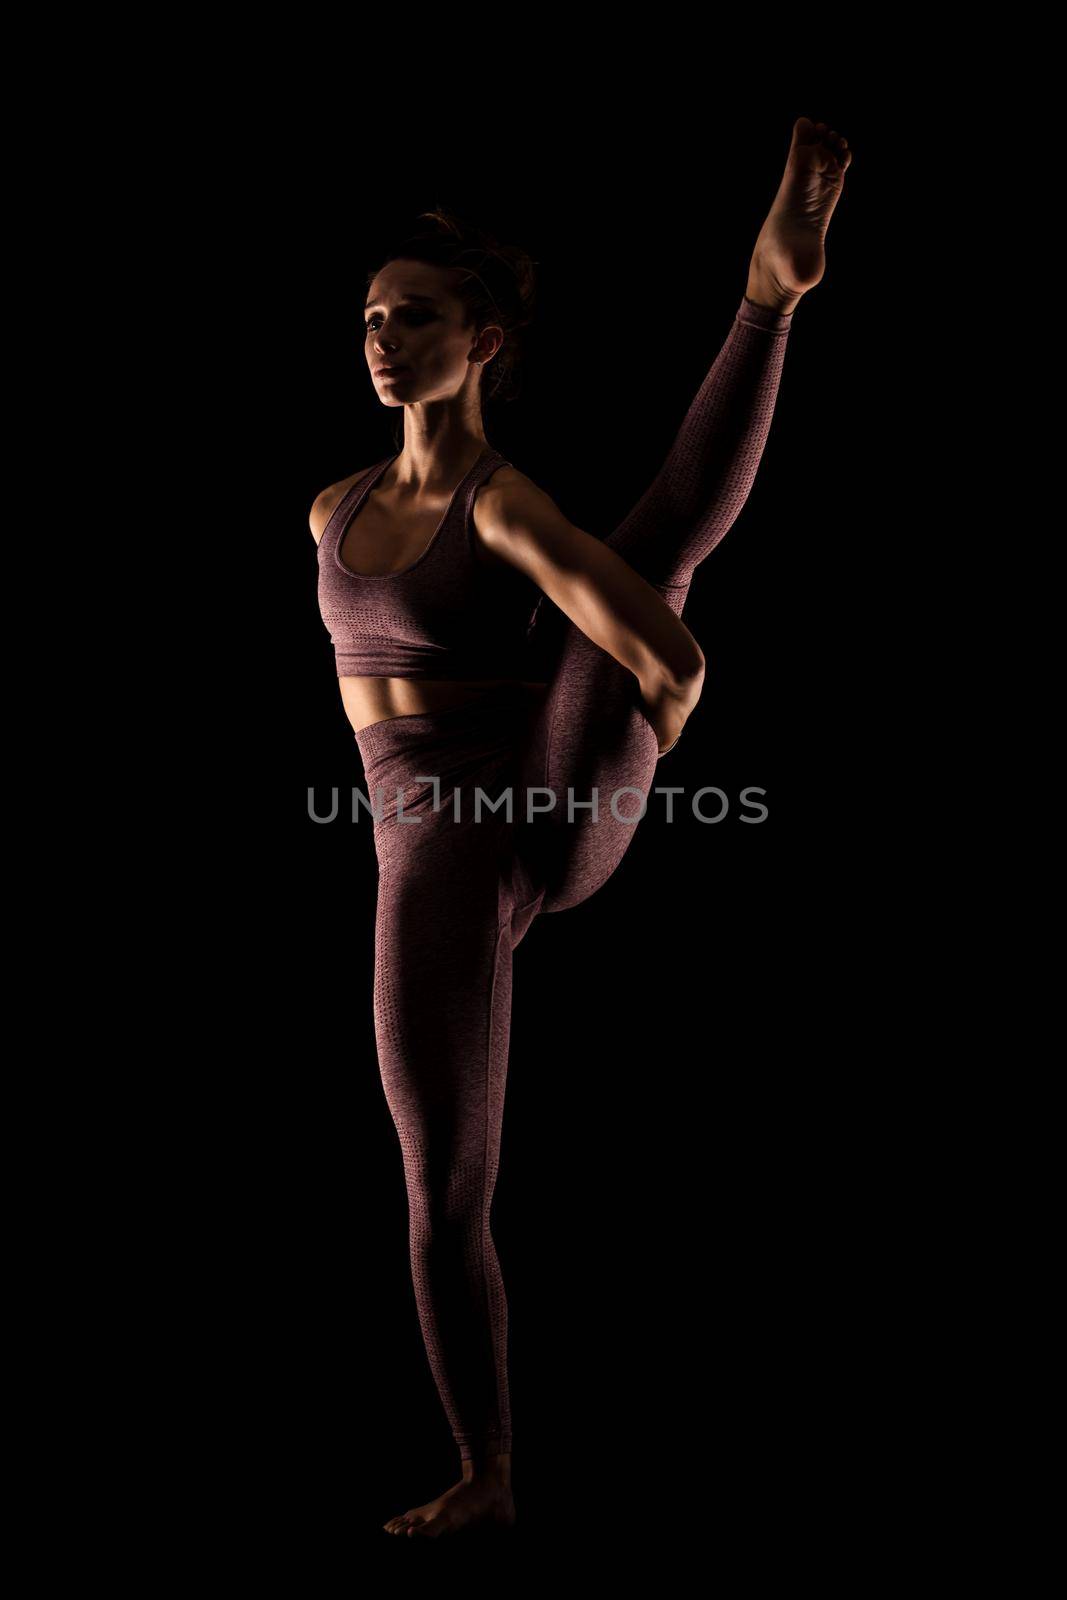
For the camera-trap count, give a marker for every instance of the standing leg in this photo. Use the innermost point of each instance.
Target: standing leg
(591, 736)
(442, 1011)
(442, 1006)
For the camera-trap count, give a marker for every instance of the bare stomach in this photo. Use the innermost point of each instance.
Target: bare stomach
(368, 700)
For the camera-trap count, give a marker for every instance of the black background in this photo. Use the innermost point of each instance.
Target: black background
(682, 1214)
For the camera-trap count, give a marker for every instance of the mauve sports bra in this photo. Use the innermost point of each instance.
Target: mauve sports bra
(447, 615)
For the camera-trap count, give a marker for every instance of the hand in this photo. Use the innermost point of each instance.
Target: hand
(668, 705)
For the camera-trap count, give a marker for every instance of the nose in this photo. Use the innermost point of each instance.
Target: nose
(384, 342)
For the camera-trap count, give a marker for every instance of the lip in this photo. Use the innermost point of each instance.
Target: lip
(390, 372)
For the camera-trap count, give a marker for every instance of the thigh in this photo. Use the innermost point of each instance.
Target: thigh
(442, 985)
(592, 753)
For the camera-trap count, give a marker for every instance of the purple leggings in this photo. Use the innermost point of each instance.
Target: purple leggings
(458, 888)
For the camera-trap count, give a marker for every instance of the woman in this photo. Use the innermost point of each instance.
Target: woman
(431, 566)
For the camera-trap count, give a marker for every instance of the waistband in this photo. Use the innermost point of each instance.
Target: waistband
(426, 756)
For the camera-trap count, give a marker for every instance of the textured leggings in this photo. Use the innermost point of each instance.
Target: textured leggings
(458, 887)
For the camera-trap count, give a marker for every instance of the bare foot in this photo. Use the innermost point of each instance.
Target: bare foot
(789, 258)
(484, 1499)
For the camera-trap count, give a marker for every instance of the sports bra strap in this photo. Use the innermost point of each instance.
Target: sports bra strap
(339, 514)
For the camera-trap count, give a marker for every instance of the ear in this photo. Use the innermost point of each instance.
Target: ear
(487, 343)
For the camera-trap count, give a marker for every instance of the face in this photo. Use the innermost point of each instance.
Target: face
(414, 322)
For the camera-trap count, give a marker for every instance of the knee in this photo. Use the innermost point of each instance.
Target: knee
(445, 1193)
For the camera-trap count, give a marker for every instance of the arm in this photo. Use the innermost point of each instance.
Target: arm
(321, 511)
(599, 591)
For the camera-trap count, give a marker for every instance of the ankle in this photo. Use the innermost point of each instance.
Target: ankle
(765, 288)
(488, 1469)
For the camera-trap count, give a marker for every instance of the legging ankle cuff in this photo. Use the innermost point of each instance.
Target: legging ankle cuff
(755, 316)
(495, 1445)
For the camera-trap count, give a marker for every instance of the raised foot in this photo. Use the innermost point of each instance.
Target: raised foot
(789, 256)
(465, 1505)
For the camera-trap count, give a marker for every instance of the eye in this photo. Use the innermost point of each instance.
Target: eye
(412, 316)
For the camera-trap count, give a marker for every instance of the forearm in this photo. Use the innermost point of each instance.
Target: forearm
(614, 606)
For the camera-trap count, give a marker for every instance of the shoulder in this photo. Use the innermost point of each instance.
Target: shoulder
(518, 522)
(326, 502)
(509, 504)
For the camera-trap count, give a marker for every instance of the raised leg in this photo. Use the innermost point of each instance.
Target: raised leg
(591, 740)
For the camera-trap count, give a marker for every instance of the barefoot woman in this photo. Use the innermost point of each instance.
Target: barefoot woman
(431, 564)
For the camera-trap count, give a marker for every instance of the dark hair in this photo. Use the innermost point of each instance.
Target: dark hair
(495, 282)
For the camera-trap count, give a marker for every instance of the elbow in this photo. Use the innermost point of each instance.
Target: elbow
(685, 676)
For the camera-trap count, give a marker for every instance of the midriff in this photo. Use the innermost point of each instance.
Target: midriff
(368, 700)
